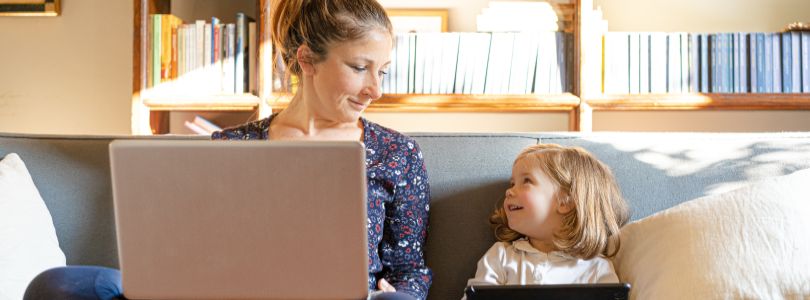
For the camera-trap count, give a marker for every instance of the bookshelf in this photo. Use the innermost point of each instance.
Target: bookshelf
(152, 111)
(152, 108)
(593, 99)
(587, 26)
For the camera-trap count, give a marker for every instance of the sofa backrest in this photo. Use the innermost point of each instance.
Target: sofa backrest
(468, 175)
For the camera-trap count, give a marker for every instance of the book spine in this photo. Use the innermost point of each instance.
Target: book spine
(240, 82)
(753, 52)
(743, 70)
(787, 74)
(795, 62)
(704, 63)
(776, 53)
(806, 62)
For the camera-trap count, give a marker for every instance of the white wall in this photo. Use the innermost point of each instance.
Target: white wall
(703, 15)
(68, 74)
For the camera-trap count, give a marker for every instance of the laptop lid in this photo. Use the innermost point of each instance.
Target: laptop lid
(240, 219)
(597, 291)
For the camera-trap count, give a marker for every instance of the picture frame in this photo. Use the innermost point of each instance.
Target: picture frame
(30, 8)
(418, 20)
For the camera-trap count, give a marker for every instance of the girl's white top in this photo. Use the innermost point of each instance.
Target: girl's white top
(519, 263)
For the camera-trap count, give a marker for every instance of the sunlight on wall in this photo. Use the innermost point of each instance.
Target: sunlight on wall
(751, 158)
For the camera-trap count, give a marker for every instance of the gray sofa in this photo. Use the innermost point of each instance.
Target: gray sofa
(468, 174)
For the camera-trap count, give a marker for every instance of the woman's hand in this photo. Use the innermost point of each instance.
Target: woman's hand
(384, 286)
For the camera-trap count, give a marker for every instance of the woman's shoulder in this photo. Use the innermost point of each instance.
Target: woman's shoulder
(384, 136)
(255, 130)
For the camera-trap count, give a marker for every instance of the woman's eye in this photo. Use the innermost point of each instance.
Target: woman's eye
(359, 69)
(383, 73)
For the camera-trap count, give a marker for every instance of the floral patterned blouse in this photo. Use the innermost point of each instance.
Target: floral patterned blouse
(398, 204)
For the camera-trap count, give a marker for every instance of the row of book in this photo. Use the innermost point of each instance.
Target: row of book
(642, 62)
(480, 63)
(201, 57)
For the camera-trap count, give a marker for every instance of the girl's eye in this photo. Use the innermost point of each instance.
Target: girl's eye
(527, 180)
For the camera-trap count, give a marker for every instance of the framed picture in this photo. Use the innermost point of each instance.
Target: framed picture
(24, 8)
(418, 20)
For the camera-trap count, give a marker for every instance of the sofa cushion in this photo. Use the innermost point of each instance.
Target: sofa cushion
(749, 243)
(28, 243)
(468, 174)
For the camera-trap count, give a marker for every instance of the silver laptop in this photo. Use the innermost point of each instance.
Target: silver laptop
(240, 219)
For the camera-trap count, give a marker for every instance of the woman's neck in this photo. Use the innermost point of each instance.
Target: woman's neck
(301, 121)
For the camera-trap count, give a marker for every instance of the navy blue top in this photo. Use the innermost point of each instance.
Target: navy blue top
(398, 203)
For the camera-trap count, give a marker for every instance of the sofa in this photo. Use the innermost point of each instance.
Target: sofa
(468, 175)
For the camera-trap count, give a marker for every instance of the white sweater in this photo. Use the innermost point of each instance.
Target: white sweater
(518, 263)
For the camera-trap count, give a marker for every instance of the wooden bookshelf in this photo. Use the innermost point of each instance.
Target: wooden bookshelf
(711, 101)
(151, 109)
(586, 97)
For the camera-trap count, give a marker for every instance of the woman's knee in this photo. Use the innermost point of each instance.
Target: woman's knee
(392, 296)
(75, 283)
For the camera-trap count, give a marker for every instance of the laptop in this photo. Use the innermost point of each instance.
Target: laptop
(597, 291)
(240, 219)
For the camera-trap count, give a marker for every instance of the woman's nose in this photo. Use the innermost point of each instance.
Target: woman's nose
(373, 90)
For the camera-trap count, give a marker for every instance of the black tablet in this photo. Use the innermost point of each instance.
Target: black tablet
(611, 291)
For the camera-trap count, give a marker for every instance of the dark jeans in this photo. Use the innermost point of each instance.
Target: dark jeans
(99, 283)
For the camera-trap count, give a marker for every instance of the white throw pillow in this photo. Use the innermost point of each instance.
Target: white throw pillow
(749, 243)
(28, 243)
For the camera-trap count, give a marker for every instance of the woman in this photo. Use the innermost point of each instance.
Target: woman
(340, 50)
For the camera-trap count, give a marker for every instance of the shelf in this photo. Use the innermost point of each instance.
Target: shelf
(711, 101)
(461, 103)
(244, 102)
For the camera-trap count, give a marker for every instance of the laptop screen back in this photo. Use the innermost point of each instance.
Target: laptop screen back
(240, 219)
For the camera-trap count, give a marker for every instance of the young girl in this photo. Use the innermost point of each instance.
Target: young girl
(561, 210)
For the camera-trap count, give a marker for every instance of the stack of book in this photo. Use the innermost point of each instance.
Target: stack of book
(642, 62)
(480, 63)
(200, 57)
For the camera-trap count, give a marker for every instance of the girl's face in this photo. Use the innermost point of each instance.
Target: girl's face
(531, 206)
(349, 78)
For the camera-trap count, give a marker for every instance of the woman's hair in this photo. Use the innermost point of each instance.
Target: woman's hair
(319, 23)
(586, 184)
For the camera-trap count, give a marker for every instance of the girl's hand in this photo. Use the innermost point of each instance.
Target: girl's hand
(384, 286)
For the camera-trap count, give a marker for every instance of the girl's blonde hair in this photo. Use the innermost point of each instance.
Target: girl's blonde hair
(319, 23)
(586, 184)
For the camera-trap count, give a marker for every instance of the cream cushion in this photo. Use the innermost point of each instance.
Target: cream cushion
(749, 243)
(28, 243)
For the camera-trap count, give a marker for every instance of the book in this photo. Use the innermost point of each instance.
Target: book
(673, 63)
(644, 63)
(795, 62)
(805, 62)
(753, 52)
(205, 124)
(241, 72)
(658, 62)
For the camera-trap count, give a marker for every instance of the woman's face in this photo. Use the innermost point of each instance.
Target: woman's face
(349, 77)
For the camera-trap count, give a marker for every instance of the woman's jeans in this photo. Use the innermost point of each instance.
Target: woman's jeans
(100, 283)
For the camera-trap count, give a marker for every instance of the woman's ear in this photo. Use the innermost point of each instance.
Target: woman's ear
(306, 60)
